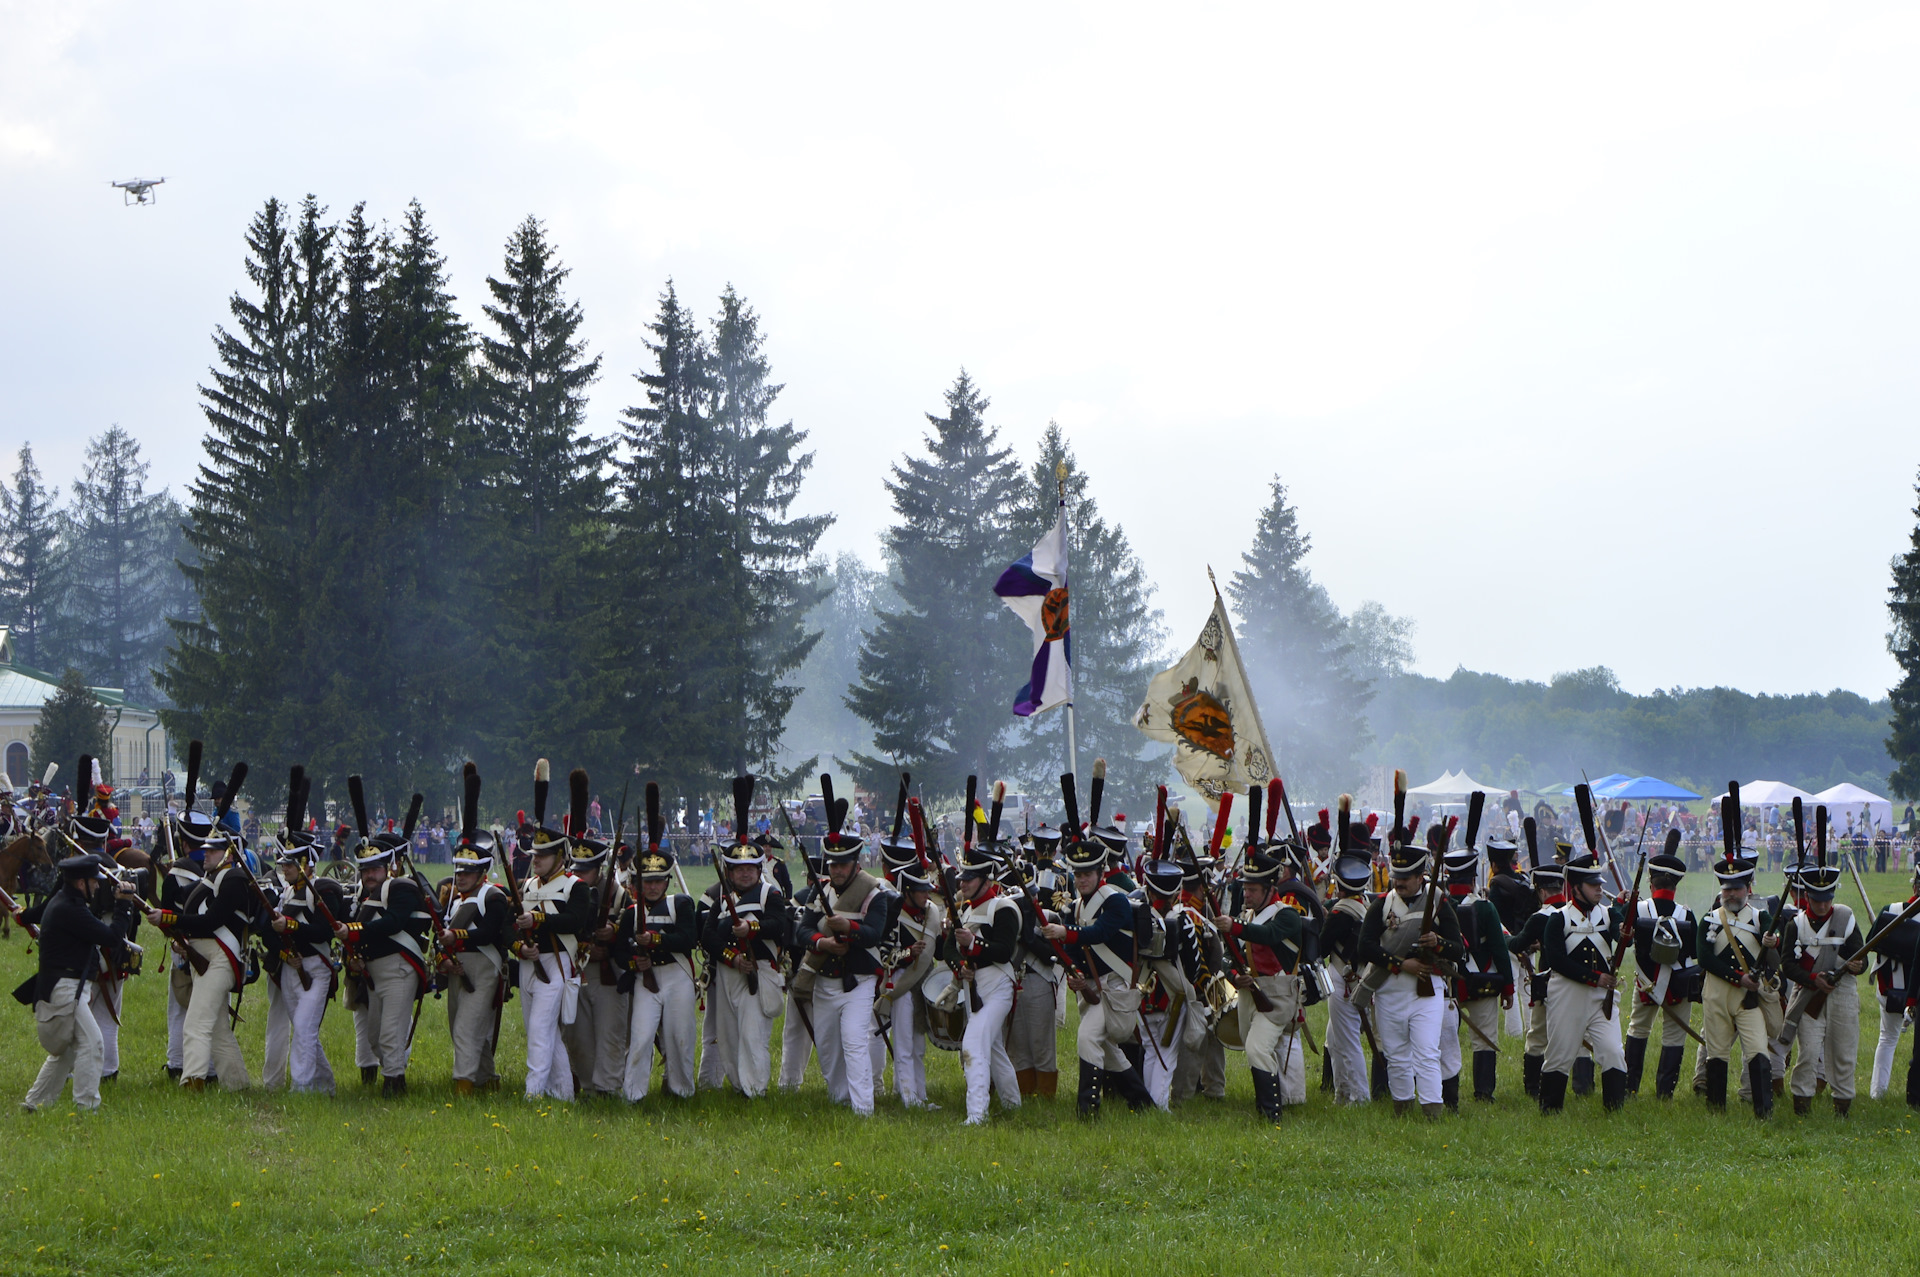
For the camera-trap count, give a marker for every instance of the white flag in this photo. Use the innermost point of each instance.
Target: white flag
(1204, 706)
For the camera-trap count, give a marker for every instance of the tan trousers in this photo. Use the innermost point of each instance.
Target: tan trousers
(1836, 1036)
(1640, 1024)
(1723, 1021)
(597, 1038)
(207, 1044)
(1032, 1030)
(470, 1021)
(1105, 1024)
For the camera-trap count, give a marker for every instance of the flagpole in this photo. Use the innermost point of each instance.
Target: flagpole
(1066, 541)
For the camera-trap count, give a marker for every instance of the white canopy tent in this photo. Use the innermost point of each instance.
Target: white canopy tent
(1772, 793)
(1847, 800)
(1455, 785)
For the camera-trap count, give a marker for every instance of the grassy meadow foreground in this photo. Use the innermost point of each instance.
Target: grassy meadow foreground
(165, 1182)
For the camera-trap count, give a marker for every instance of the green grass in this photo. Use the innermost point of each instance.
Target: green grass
(165, 1182)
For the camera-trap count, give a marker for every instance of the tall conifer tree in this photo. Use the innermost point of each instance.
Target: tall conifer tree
(1297, 653)
(30, 577)
(937, 673)
(1903, 641)
(118, 581)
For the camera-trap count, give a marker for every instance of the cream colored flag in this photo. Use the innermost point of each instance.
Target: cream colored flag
(1204, 706)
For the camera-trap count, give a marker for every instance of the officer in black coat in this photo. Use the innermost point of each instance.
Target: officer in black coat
(72, 939)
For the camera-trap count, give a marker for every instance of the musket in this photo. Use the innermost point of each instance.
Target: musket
(13, 910)
(917, 822)
(1621, 946)
(654, 825)
(518, 901)
(742, 799)
(1229, 943)
(1423, 988)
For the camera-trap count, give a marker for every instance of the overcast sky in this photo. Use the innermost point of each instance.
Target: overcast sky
(1581, 334)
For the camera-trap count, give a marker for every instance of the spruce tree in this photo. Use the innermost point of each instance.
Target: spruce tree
(938, 672)
(118, 580)
(1116, 633)
(30, 576)
(1903, 641)
(547, 636)
(72, 722)
(251, 662)
(1294, 642)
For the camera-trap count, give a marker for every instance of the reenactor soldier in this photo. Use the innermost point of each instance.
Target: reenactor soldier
(73, 942)
(388, 934)
(1269, 931)
(1514, 899)
(1668, 983)
(91, 833)
(474, 948)
(214, 920)
(1040, 1010)
(1409, 1008)
(1203, 1068)
(1818, 957)
(844, 932)
(597, 1038)
(1483, 986)
(556, 911)
(982, 942)
(1577, 946)
(745, 927)
(796, 1027)
(1173, 1011)
(1549, 887)
(304, 925)
(659, 931)
(1732, 937)
(1896, 978)
(179, 875)
(900, 1006)
(1340, 943)
(1099, 933)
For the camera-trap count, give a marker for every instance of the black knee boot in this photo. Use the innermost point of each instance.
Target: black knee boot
(1380, 1088)
(1450, 1093)
(1583, 1075)
(1090, 1084)
(1136, 1056)
(1326, 1071)
(1486, 1067)
(1530, 1074)
(1913, 1082)
(1129, 1086)
(1613, 1089)
(1636, 1063)
(1666, 1075)
(369, 1074)
(1266, 1094)
(1717, 1085)
(1760, 1080)
(1553, 1091)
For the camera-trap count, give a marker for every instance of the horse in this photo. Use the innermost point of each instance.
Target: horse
(26, 873)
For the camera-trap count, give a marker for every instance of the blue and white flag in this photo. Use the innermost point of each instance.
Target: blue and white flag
(1036, 589)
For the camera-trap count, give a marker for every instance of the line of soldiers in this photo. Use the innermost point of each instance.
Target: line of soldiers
(1172, 959)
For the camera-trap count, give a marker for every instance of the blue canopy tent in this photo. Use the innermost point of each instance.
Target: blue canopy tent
(1600, 786)
(1646, 789)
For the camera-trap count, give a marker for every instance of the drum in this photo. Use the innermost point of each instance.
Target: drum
(1223, 1003)
(946, 1002)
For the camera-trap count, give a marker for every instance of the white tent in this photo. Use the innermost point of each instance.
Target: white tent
(1455, 785)
(1850, 800)
(1772, 793)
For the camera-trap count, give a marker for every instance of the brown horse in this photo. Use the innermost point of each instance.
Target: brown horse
(26, 872)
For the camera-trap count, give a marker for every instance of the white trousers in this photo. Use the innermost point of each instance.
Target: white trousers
(665, 1017)
(307, 1066)
(1892, 1025)
(796, 1046)
(65, 1020)
(1345, 1043)
(1160, 1068)
(1576, 1021)
(273, 1068)
(842, 1031)
(105, 1003)
(1408, 1029)
(983, 1047)
(743, 1032)
(549, 1071)
(909, 1051)
(713, 1071)
(179, 992)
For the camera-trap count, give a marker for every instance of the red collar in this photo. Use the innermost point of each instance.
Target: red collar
(993, 889)
(1556, 901)
(1459, 890)
(1662, 893)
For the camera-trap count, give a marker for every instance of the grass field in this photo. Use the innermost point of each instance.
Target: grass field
(165, 1182)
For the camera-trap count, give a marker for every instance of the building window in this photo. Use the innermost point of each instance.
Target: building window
(17, 765)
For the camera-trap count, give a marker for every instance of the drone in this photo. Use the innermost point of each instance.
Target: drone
(139, 190)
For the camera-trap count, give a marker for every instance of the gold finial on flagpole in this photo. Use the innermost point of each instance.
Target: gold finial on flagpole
(1060, 477)
(1210, 581)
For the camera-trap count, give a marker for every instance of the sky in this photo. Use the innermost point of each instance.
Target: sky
(1579, 334)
